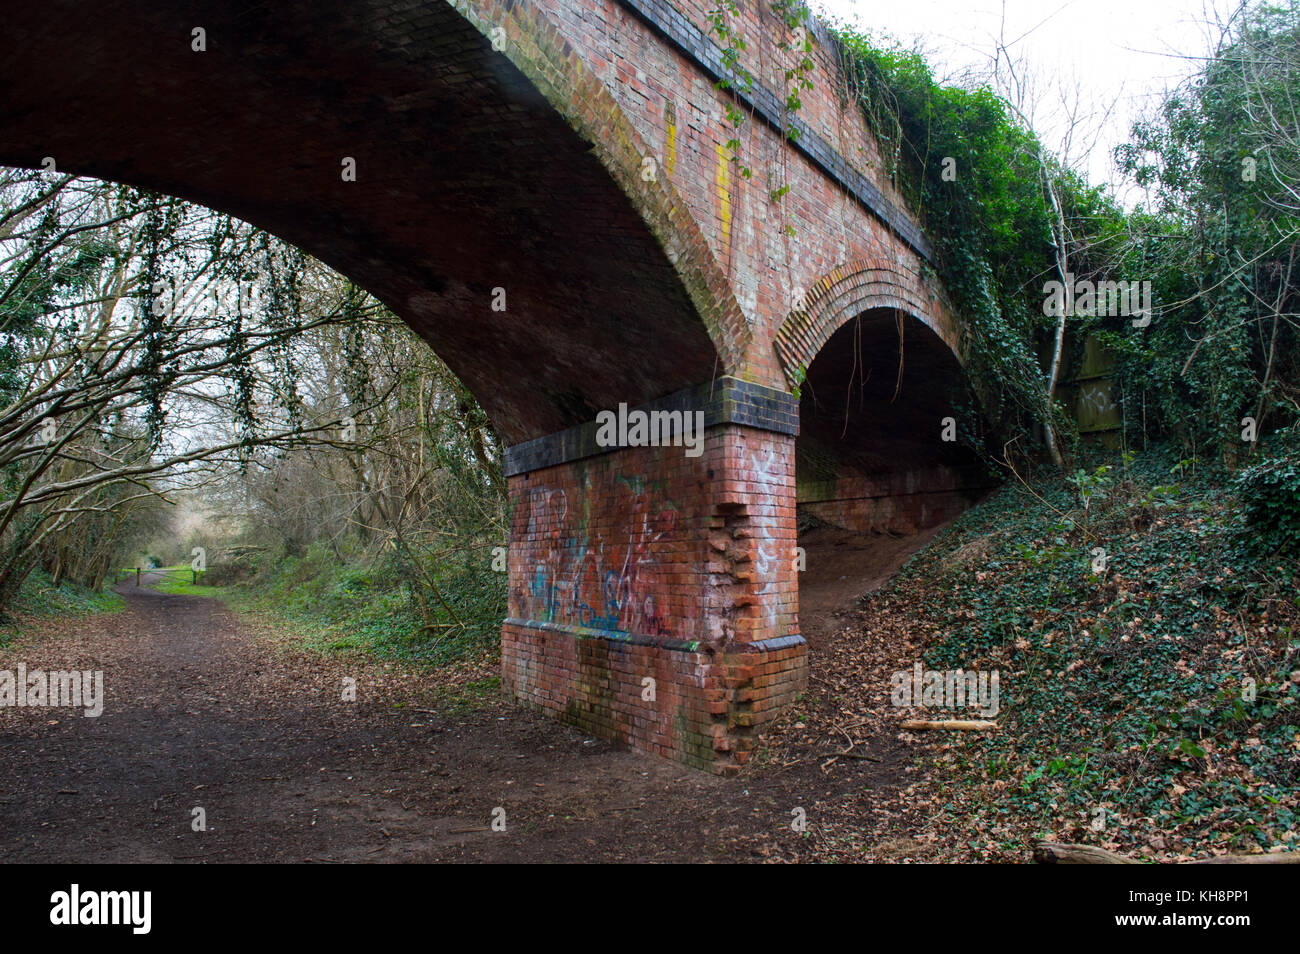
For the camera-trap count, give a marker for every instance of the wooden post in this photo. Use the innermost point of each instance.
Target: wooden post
(137, 576)
(195, 581)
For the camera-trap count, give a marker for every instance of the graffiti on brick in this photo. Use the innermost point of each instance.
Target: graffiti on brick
(610, 577)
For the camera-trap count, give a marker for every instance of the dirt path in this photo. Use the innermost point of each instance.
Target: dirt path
(204, 711)
(843, 566)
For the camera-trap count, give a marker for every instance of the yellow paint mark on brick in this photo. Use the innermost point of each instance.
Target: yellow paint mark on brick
(670, 135)
(723, 180)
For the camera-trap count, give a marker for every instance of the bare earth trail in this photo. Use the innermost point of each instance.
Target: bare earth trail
(202, 710)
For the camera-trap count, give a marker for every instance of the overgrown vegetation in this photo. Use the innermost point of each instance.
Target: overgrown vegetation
(40, 596)
(366, 605)
(1270, 496)
(178, 385)
(1150, 706)
(391, 537)
(1218, 240)
(985, 187)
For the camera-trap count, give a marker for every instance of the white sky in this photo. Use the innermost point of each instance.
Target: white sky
(1118, 52)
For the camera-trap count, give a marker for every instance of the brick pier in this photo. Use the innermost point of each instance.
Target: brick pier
(653, 595)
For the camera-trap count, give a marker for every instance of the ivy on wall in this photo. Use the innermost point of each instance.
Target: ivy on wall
(975, 175)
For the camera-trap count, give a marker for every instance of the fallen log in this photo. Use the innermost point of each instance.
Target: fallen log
(1052, 853)
(1055, 853)
(956, 725)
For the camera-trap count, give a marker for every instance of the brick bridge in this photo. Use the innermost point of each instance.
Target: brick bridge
(569, 159)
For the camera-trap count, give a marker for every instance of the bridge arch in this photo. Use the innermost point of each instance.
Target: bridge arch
(477, 169)
(877, 450)
(847, 292)
(502, 145)
(537, 48)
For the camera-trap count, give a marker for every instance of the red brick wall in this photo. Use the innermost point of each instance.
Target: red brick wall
(643, 562)
(679, 115)
(706, 706)
(903, 502)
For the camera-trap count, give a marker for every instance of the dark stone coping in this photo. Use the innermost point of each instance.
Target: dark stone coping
(727, 400)
(771, 645)
(611, 635)
(693, 43)
(659, 642)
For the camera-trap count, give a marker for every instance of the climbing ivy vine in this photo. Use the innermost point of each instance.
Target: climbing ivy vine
(738, 79)
(974, 174)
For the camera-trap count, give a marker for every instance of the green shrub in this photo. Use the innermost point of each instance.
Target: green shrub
(1270, 493)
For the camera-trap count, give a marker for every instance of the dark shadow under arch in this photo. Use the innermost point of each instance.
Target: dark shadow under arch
(870, 453)
(468, 180)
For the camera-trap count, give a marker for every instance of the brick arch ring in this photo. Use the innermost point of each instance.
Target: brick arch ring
(846, 292)
(538, 50)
